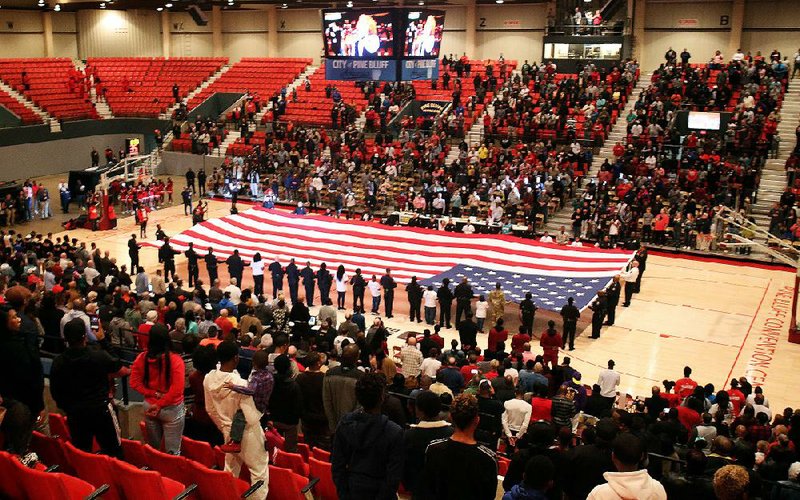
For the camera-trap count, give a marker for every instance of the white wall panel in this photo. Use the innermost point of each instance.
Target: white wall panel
(668, 14)
(113, 33)
(239, 45)
(191, 45)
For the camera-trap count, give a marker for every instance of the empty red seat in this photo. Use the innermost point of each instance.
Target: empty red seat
(137, 483)
(94, 469)
(324, 489)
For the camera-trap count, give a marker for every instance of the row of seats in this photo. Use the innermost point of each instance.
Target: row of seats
(27, 116)
(143, 86)
(262, 76)
(48, 81)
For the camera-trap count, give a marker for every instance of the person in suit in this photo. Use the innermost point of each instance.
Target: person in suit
(308, 283)
(211, 265)
(235, 266)
(194, 269)
(388, 284)
(277, 272)
(359, 286)
(324, 282)
(612, 297)
(293, 278)
(414, 291)
(598, 308)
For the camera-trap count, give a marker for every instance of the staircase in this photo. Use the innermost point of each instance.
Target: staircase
(223, 147)
(168, 113)
(619, 133)
(46, 118)
(293, 85)
(773, 175)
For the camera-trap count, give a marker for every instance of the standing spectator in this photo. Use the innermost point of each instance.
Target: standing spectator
(563, 408)
(569, 315)
(414, 291)
(314, 423)
(257, 267)
(388, 284)
(538, 480)
(429, 302)
(79, 383)
(430, 428)
(411, 358)
(159, 376)
(367, 456)
(627, 452)
(338, 395)
(588, 462)
(286, 403)
(445, 297)
(608, 380)
(459, 467)
(359, 285)
(550, 342)
(516, 416)
(222, 403)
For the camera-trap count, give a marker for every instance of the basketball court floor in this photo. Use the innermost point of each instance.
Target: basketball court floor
(723, 319)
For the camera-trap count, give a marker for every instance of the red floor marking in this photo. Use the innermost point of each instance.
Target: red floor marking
(752, 322)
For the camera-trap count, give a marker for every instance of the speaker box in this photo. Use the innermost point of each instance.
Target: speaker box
(198, 15)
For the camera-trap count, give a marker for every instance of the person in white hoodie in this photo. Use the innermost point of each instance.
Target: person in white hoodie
(629, 482)
(221, 405)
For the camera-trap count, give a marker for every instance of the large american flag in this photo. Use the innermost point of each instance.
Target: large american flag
(552, 273)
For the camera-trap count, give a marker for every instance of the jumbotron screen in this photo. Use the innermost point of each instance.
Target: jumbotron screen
(361, 33)
(423, 33)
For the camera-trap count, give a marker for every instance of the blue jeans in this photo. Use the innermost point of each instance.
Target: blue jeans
(167, 426)
(480, 323)
(376, 303)
(430, 315)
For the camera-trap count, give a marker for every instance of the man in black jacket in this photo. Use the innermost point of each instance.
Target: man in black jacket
(367, 457)
(588, 462)
(388, 284)
(293, 278)
(445, 297)
(359, 285)
(166, 254)
(612, 299)
(286, 403)
(418, 437)
(211, 265)
(570, 315)
(79, 385)
(235, 266)
(414, 291)
(194, 269)
(277, 273)
(308, 283)
(463, 294)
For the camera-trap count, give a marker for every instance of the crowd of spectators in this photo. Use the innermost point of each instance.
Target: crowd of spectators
(419, 417)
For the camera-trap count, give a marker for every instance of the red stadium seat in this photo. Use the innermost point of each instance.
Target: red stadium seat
(199, 451)
(10, 486)
(324, 489)
(285, 484)
(50, 451)
(304, 451)
(137, 483)
(292, 461)
(94, 469)
(219, 485)
(58, 426)
(321, 455)
(172, 466)
(133, 451)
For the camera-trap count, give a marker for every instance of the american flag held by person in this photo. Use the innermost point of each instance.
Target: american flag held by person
(550, 272)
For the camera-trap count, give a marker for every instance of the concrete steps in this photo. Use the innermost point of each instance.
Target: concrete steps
(44, 115)
(618, 134)
(223, 147)
(773, 174)
(293, 85)
(213, 78)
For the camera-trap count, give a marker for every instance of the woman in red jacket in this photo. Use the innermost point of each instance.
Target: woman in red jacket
(158, 375)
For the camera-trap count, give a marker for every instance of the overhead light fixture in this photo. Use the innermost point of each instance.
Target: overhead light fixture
(421, 2)
(159, 9)
(168, 6)
(349, 4)
(284, 6)
(499, 1)
(57, 8)
(103, 5)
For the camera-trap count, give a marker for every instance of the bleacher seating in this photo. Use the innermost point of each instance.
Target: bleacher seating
(27, 116)
(49, 86)
(261, 76)
(150, 81)
(314, 108)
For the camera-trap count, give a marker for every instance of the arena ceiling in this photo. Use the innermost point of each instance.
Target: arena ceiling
(181, 5)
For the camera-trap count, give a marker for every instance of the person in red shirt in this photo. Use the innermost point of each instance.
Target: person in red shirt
(551, 342)
(672, 399)
(689, 416)
(496, 335)
(224, 324)
(684, 387)
(736, 397)
(158, 375)
(470, 369)
(518, 341)
(542, 408)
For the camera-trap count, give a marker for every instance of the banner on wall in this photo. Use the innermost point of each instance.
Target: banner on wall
(361, 70)
(419, 69)
(688, 23)
(433, 108)
(512, 23)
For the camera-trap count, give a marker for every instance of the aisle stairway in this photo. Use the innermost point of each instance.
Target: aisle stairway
(773, 175)
(46, 118)
(168, 113)
(618, 134)
(223, 147)
(295, 84)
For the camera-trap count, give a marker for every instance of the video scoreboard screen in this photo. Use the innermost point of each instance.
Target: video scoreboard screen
(382, 44)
